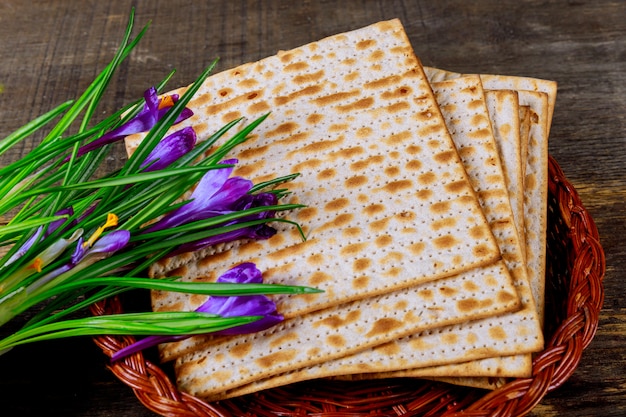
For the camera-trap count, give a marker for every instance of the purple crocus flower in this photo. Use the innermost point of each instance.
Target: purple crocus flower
(154, 109)
(225, 306)
(103, 247)
(258, 232)
(85, 255)
(58, 223)
(215, 194)
(40, 234)
(170, 149)
(248, 305)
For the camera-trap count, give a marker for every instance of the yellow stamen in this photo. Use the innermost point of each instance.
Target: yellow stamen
(166, 101)
(111, 222)
(37, 264)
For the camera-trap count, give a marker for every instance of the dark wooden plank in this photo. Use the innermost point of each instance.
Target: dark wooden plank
(51, 50)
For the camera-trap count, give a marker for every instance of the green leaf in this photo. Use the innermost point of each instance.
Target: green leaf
(141, 324)
(31, 127)
(123, 51)
(117, 181)
(205, 288)
(269, 185)
(216, 221)
(69, 303)
(28, 224)
(234, 141)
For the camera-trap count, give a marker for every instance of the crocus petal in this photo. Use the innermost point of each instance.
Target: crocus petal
(233, 189)
(87, 212)
(258, 232)
(214, 194)
(248, 305)
(142, 122)
(49, 255)
(170, 149)
(58, 223)
(83, 256)
(256, 326)
(54, 250)
(152, 102)
(255, 200)
(184, 115)
(101, 249)
(25, 247)
(244, 273)
(49, 277)
(38, 235)
(79, 252)
(142, 344)
(211, 183)
(112, 242)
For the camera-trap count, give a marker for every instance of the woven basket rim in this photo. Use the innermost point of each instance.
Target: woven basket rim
(571, 334)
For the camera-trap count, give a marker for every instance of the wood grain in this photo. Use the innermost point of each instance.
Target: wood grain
(51, 51)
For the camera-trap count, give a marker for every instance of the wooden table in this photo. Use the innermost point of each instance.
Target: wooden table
(51, 50)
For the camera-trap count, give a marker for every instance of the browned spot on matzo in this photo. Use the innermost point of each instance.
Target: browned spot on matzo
(241, 350)
(427, 178)
(307, 91)
(318, 278)
(296, 66)
(382, 326)
(445, 242)
(335, 322)
(364, 44)
(309, 78)
(362, 104)
(397, 186)
(337, 204)
(272, 359)
(335, 98)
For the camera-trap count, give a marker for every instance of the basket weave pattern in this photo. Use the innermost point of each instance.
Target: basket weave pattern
(574, 296)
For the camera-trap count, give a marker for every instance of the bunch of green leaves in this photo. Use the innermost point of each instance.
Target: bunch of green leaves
(45, 182)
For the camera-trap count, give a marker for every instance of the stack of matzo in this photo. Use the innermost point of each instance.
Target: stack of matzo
(425, 219)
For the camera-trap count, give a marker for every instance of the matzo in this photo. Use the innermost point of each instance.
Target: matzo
(464, 108)
(540, 97)
(524, 127)
(517, 366)
(346, 114)
(506, 366)
(506, 117)
(505, 82)
(504, 113)
(503, 106)
(547, 87)
(536, 193)
(224, 364)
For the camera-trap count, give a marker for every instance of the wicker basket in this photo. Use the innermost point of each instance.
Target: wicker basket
(574, 296)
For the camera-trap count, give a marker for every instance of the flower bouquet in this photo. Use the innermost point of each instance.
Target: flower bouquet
(71, 238)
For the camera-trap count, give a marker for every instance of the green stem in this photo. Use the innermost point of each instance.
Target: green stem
(31, 127)
(140, 324)
(205, 288)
